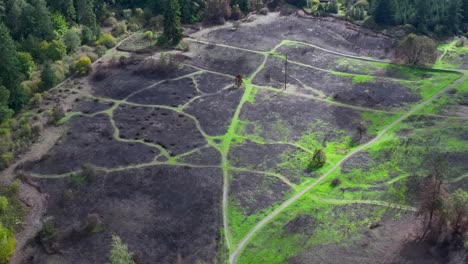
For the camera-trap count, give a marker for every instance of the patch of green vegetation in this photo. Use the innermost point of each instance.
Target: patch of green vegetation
(356, 65)
(298, 161)
(376, 121)
(12, 211)
(452, 55)
(321, 223)
(428, 87)
(362, 79)
(240, 223)
(11, 208)
(356, 78)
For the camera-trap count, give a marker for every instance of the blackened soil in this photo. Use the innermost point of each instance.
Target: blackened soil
(216, 111)
(170, 93)
(89, 140)
(173, 131)
(254, 192)
(165, 214)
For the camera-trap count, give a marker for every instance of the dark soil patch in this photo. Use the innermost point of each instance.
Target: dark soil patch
(326, 60)
(216, 111)
(377, 93)
(165, 214)
(224, 60)
(90, 141)
(288, 117)
(302, 224)
(173, 131)
(361, 160)
(121, 82)
(212, 83)
(380, 245)
(330, 33)
(204, 156)
(254, 192)
(91, 106)
(170, 93)
(262, 157)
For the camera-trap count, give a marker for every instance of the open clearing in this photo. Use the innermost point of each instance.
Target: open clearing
(195, 170)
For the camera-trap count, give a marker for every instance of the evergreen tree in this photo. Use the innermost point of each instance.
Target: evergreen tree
(422, 16)
(86, 14)
(243, 4)
(454, 17)
(14, 9)
(48, 78)
(465, 11)
(87, 18)
(188, 11)
(65, 7)
(36, 20)
(383, 12)
(172, 28)
(10, 75)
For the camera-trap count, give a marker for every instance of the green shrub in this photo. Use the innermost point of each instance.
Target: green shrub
(26, 63)
(120, 29)
(133, 26)
(52, 51)
(149, 35)
(83, 66)
(110, 22)
(72, 40)
(89, 171)
(119, 253)
(48, 232)
(3, 204)
(57, 115)
(5, 159)
(36, 100)
(107, 40)
(7, 244)
(318, 160)
(335, 182)
(100, 50)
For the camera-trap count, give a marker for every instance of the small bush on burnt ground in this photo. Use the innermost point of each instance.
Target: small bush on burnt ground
(335, 182)
(162, 66)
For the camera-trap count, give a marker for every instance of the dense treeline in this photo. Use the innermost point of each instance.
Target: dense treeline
(443, 17)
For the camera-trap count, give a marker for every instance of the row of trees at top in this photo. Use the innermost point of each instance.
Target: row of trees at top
(443, 17)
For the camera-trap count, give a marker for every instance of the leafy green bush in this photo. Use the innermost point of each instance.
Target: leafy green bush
(119, 253)
(52, 51)
(7, 244)
(72, 40)
(149, 35)
(3, 204)
(318, 160)
(5, 159)
(83, 66)
(26, 63)
(107, 40)
(120, 28)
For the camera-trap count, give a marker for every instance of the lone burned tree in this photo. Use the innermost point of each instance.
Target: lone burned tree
(444, 216)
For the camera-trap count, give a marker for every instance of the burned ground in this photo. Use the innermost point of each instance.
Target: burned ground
(370, 92)
(164, 213)
(89, 140)
(254, 192)
(193, 168)
(215, 111)
(264, 34)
